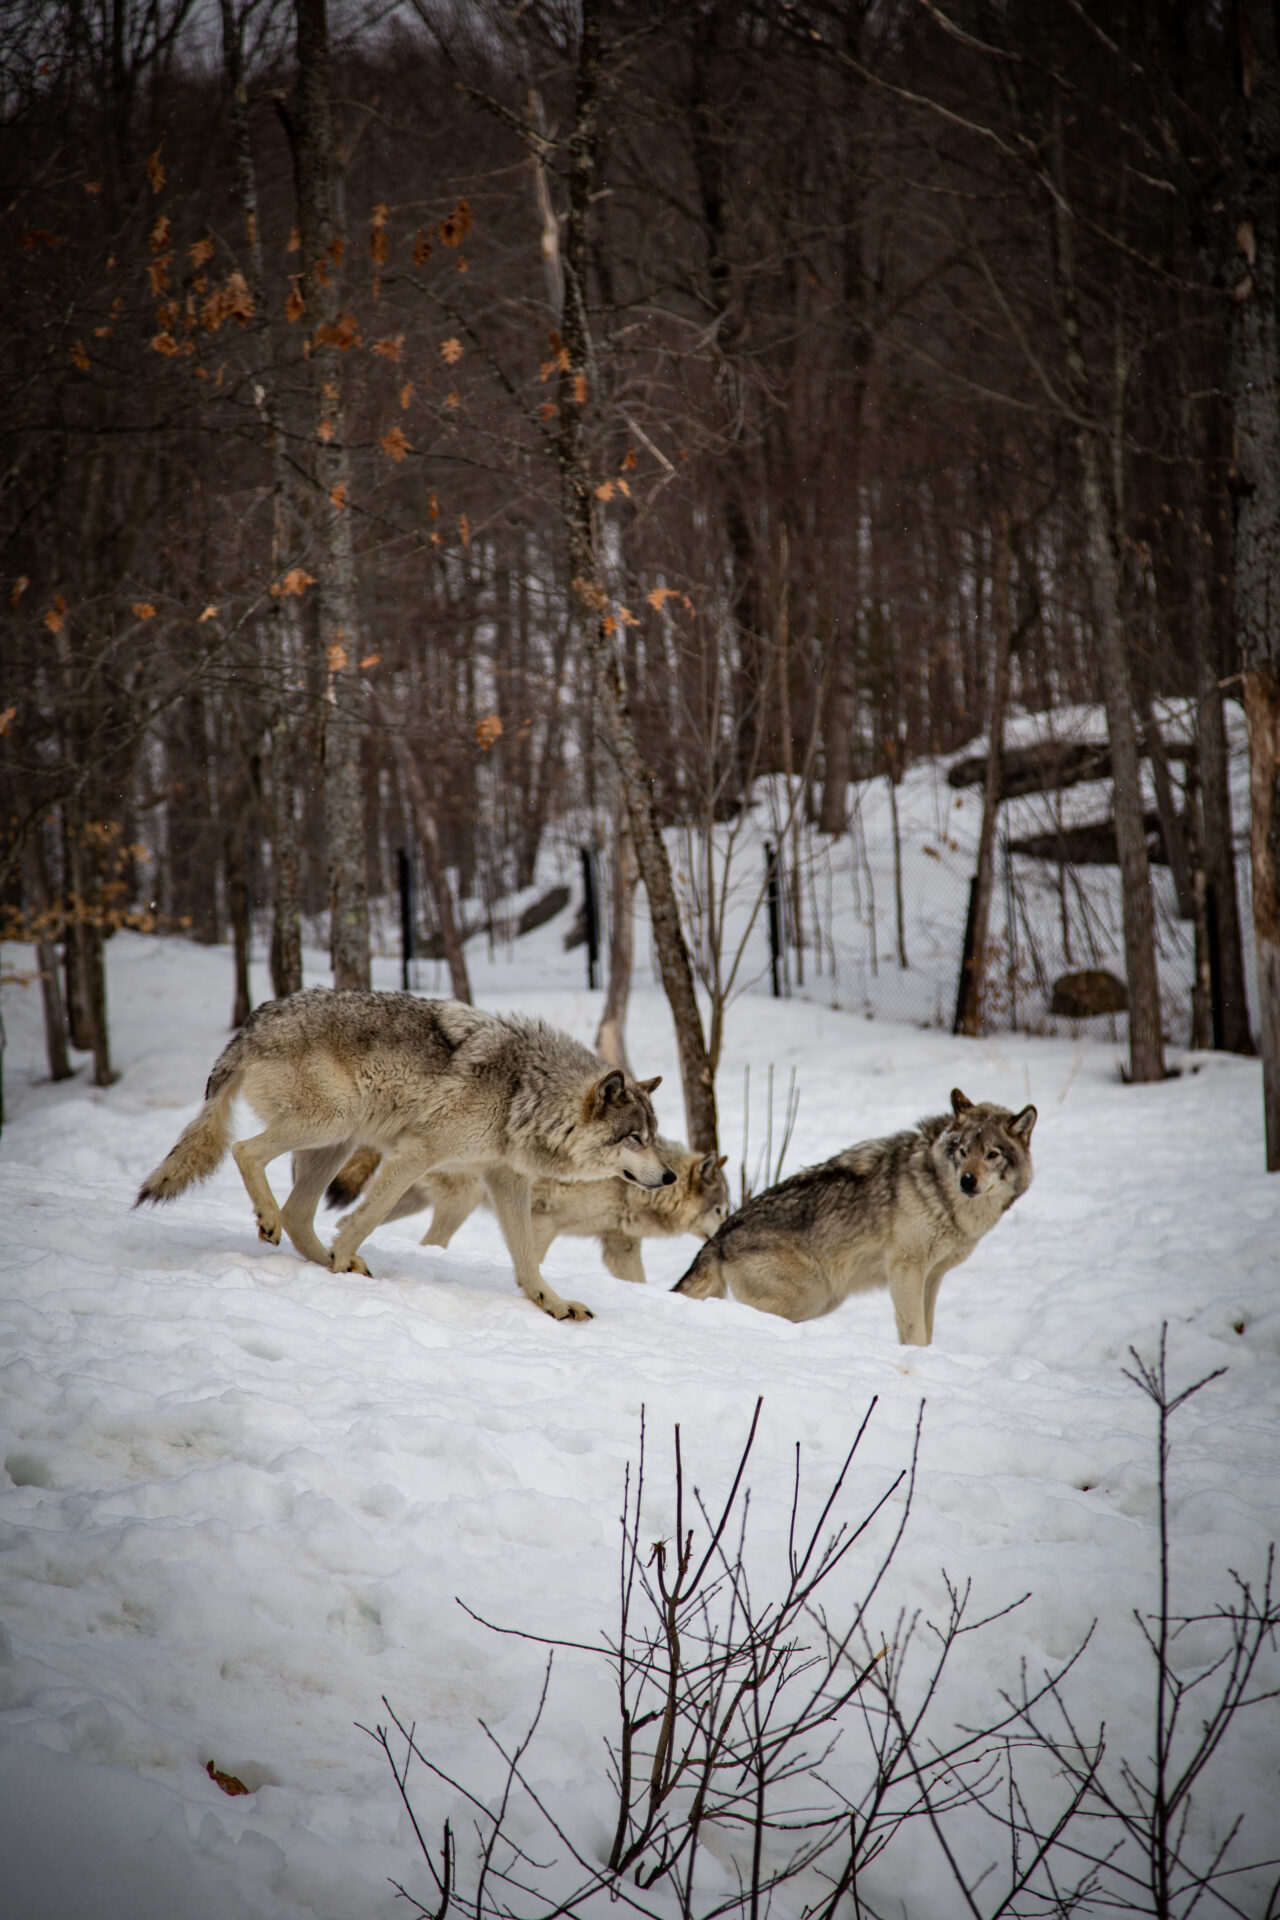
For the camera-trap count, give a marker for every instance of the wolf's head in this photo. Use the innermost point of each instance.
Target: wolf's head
(985, 1150)
(704, 1193)
(618, 1132)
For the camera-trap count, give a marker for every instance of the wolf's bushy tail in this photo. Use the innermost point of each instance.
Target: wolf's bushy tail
(352, 1178)
(705, 1277)
(201, 1146)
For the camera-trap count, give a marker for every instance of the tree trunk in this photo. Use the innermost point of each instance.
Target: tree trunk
(55, 1019)
(236, 870)
(339, 634)
(637, 785)
(973, 972)
(437, 873)
(611, 1041)
(1256, 558)
(281, 726)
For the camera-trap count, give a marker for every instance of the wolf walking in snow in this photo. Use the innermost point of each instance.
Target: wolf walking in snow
(898, 1213)
(429, 1084)
(616, 1212)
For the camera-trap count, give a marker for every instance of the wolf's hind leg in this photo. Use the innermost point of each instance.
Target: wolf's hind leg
(622, 1256)
(313, 1168)
(253, 1157)
(397, 1172)
(510, 1195)
(454, 1198)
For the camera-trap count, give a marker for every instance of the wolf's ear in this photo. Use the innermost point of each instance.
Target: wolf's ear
(722, 1159)
(708, 1167)
(1021, 1124)
(611, 1090)
(960, 1102)
(649, 1086)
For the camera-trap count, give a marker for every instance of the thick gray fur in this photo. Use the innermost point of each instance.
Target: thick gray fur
(898, 1212)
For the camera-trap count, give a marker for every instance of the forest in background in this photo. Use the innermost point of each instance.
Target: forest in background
(473, 415)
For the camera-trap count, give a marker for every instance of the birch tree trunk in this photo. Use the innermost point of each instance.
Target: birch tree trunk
(330, 333)
(1256, 557)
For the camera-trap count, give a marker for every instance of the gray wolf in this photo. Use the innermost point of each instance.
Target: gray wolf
(898, 1213)
(615, 1212)
(430, 1084)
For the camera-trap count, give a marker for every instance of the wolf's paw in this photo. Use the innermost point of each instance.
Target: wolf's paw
(355, 1265)
(270, 1234)
(562, 1309)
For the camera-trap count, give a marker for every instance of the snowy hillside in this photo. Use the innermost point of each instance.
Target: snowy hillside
(241, 1496)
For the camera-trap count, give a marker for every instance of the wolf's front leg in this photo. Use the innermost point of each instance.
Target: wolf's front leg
(622, 1256)
(454, 1198)
(509, 1192)
(907, 1291)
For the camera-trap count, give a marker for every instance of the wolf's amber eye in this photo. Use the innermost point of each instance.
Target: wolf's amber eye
(994, 1154)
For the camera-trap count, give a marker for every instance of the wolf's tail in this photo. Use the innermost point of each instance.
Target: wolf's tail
(202, 1146)
(705, 1278)
(351, 1179)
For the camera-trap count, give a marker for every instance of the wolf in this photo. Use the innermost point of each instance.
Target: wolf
(898, 1212)
(615, 1212)
(430, 1084)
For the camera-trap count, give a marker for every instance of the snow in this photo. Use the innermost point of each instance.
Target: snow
(241, 1495)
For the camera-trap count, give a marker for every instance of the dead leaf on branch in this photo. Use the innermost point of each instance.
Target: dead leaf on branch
(488, 731)
(20, 586)
(343, 333)
(464, 530)
(158, 274)
(296, 581)
(53, 619)
(295, 306)
(406, 395)
(370, 660)
(6, 719)
(605, 491)
(209, 613)
(199, 251)
(338, 495)
(158, 238)
(390, 349)
(395, 444)
(165, 343)
(336, 658)
(325, 431)
(580, 388)
(451, 351)
(591, 594)
(143, 610)
(155, 171)
(421, 248)
(80, 357)
(455, 226)
(294, 243)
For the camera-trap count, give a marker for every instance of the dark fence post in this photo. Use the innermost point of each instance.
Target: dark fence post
(969, 989)
(591, 914)
(405, 867)
(774, 889)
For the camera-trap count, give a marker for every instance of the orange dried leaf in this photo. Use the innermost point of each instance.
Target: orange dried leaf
(605, 490)
(294, 582)
(421, 248)
(609, 624)
(378, 248)
(93, 186)
(158, 273)
(488, 731)
(227, 1781)
(548, 410)
(629, 460)
(165, 343)
(464, 530)
(455, 226)
(143, 610)
(20, 586)
(406, 395)
(102, 333)
(627, 618)
(6, 719)
(294, 242)
(451, 351)
(159, 234)
(336, 658)
(378, 218)
(659, 596)
(462, 265)
(80, 357)
(624, 488)
(344, 333)
(295, 306)
(338, 495)
(325, 431)
(209, 613)
(53, 619)
(395, 444)
(237, 298)
(199, 251)
(580, 388)
(433, 507)
(452, 400)
(155, 171)
(370, 660)
(390, 349)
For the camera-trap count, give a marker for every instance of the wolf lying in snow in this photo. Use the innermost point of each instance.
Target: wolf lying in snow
(898, 1212)
(615, 1212)
(429, 1084)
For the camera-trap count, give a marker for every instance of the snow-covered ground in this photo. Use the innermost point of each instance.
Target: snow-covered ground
(241, 1495)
